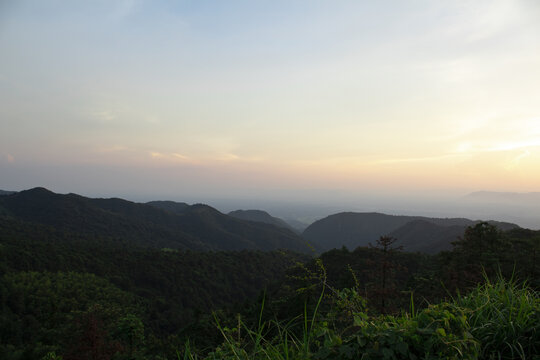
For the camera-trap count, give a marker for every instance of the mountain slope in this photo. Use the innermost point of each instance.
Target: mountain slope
(199, 227)
(351, 229)
(259, 216)
(427, 237)
(360, 229)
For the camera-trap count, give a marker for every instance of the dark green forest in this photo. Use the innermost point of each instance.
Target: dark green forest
(83, 295)
(49, 274)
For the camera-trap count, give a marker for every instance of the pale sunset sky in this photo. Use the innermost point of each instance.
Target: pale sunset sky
(177, 98)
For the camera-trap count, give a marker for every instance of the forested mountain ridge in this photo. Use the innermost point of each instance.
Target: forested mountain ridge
(353, 229)
(198, 227)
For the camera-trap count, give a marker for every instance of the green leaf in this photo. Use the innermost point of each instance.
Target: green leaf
(441, 332)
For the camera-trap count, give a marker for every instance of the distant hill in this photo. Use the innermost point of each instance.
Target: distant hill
(260, 216)
(416, 233)
(198, 227)
(4, 192)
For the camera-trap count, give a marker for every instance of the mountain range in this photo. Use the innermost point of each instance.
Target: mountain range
(156, 224)
(178, 225)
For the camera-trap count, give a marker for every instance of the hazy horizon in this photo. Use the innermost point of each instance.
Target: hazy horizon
(310, 206)
(384, 105)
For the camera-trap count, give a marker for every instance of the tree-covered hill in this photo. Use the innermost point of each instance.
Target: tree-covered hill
(198, 227)
(352, 229)
(168, 290)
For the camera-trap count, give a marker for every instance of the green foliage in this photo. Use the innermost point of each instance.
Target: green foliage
(438, 332)
(130, 330)
(484, 251)
(51, 356)
(41, 312)
(505, 318)
(169, 292)
(495, 321)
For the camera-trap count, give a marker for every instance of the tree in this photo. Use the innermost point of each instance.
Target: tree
(130, 330)
(482, 248)
(384, 285)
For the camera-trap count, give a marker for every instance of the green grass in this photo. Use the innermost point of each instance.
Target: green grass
(505, 318)
(497, 320)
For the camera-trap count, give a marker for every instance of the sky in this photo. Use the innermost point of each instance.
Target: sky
(270, 99)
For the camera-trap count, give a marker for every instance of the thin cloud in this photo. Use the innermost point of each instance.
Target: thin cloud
(156, 154)
(180, 156)
(515, 145)
(231, 157)
(175, 157)
(416, 159)
(105, 116)
(515, 162)
(111, 149)
(499, 147)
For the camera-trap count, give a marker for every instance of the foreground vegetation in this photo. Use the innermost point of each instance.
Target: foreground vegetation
(498, 320)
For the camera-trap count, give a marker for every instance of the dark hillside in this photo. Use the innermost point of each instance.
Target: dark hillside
(352, 229)
(114, 218)
(198, 227)
(426, 237)
(360, 229)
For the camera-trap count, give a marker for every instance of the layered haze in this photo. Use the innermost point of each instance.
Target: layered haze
(387, 106)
